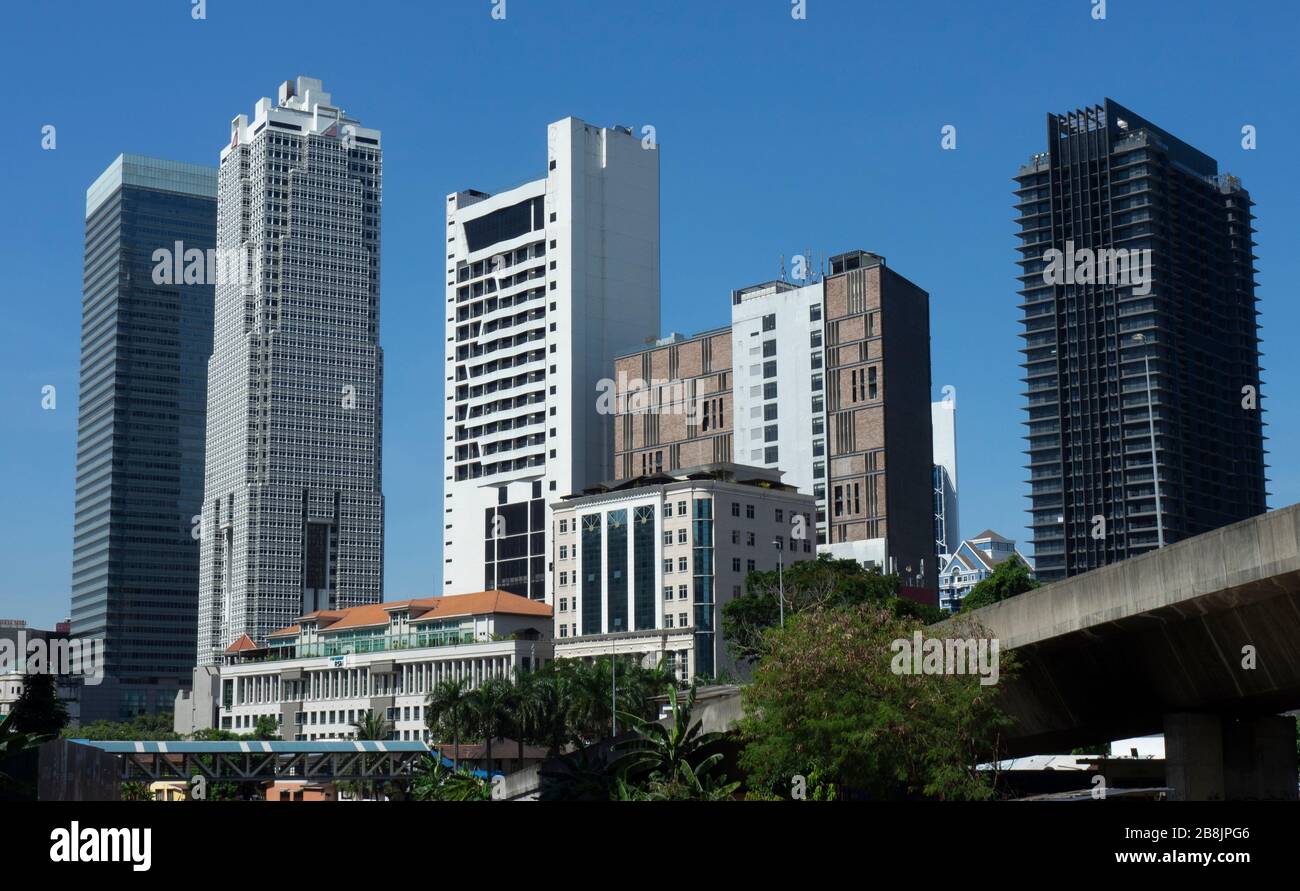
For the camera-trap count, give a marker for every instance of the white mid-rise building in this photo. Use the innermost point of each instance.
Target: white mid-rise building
(546, 284)
(947, 527)
(293, 514)
(644, 567)
(780, 412)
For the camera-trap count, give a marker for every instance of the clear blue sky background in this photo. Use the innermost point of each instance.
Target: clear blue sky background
(777, 135)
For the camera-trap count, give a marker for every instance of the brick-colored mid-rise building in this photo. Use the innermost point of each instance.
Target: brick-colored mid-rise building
(674, 404)
(829, 381)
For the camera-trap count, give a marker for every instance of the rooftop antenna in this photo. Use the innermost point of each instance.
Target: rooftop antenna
(783, 278)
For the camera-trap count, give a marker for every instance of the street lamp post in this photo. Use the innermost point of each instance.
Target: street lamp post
(1151, 429)
(780, 579)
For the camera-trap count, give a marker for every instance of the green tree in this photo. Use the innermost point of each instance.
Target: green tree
(1009, 578)
(266, 728)
(143, 727)
(676, 763)
(591, 691)
(826, 702)
(447, 713)
(434, 781)
(371, 725)
(14, 742)
(39, 710)
(824, 583)
(490, 705)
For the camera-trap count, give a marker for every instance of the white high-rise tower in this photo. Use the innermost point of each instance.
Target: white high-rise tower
(947, 530)
(293, 513)
(546, 284)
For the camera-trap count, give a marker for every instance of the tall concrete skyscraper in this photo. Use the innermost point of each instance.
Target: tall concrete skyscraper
(293, 513)
(546, 284)
(145, 339)
(1141, 343)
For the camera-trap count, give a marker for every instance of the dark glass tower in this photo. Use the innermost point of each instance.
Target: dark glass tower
(145, 341)
(1095, 321)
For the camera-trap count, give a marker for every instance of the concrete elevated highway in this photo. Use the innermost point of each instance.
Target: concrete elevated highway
(1199, 640)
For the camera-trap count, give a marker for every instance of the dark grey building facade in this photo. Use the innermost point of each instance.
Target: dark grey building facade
(1140, 342)
(145, 341)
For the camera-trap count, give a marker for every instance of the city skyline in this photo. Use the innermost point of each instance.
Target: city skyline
(696, 280)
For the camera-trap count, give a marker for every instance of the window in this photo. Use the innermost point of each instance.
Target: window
(668, 536)
(769, 368)
(735, 564)
(815, 312)
(683, 619)
(668, 592)
(564, 552)
(769, 322)
(815, 339)
(749, 565)
(769, 433)
(780, 543)
(564, 525)
(769, 390)
(681, 564)
(668, 566)
(780, 515)
(769, 349)
(769, 412)
(681, 536)
(735, 509)
(749, 539)
(816, 382)
(681, 508)
(681, 592)
(668, 508)
(735, 536)
(770, 455)
(872, 389)
(668, 620)
(749, 511)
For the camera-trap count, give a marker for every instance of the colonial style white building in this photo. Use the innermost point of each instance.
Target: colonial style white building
(643, 566)
(316, 677)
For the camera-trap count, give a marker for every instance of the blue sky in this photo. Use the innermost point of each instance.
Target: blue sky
(776, 135)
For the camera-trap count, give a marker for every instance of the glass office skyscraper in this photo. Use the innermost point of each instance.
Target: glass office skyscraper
(145, 340)
(1141, 344)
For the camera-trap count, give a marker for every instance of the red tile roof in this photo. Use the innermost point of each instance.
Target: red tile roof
(422, 610)
(242, 643)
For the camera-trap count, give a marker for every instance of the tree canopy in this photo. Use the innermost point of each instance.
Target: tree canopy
(824, 583)
(1008, 578)
(826, 703)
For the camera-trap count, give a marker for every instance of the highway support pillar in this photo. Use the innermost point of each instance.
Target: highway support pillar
(1211, 757)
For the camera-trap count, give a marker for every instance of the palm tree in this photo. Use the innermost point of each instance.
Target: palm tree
(13, 741)
(369, 725)
(448, 705)
(541, 712)
(674, 760)
(489, 706)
